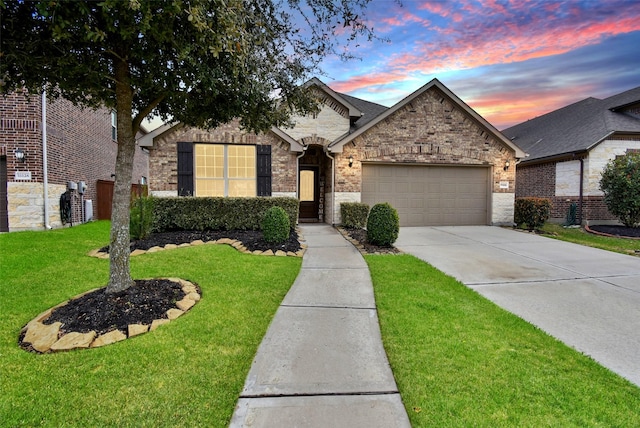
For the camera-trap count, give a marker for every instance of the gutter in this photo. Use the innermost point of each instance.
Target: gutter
(45, 172)
(333, 187)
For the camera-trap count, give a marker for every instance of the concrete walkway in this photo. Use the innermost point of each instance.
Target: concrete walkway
(321, 363)
(586, 297)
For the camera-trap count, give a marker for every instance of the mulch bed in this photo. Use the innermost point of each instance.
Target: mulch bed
(252, 240)
(360, 235)
(617, 231)
(98, 311)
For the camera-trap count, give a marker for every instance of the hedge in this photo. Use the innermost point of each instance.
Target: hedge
(197, 213)
(354, 215)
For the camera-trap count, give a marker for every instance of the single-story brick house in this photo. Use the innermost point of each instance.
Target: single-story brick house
(46, 146)
(431, 156)
(568, 149)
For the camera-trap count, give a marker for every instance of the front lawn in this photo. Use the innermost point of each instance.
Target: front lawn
(460, 360)
(187, 373)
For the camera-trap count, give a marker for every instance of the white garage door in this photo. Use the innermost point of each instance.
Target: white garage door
(429, 195)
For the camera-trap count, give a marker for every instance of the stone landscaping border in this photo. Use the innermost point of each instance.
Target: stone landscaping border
(44, 338)
(238, 245)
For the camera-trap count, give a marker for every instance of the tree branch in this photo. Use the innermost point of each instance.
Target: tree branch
(145, 112)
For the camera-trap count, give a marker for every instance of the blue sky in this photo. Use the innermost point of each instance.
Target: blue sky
(509, 60)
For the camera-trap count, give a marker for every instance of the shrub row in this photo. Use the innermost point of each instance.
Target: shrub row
(354, 215)
(197, 213)
(533, 212)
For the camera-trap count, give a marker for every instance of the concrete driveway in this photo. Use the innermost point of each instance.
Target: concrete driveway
(587, 298)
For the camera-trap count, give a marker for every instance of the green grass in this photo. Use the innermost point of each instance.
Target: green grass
(187, 373)
(459, 360)
(579, 236)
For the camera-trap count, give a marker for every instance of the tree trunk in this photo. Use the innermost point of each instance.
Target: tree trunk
(119, 252)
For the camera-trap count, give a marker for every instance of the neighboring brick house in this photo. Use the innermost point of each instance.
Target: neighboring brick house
(431, 156)
(568, 149)
(80, 146)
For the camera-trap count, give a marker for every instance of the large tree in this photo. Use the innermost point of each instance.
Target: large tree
(200, 62)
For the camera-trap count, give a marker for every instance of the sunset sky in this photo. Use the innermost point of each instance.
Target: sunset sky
(509, 60)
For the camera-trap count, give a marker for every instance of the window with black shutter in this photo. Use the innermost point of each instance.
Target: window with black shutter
(263, 160)
(185, 169)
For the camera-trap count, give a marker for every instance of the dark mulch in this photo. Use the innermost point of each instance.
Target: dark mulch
(98, 311)
(360, 235)
(252, 239)
(620, 231)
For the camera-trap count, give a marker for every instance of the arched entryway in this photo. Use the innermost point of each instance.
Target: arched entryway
(314, 182)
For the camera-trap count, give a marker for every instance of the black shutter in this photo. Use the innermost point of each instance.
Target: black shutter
(185, 169)
(263, 158)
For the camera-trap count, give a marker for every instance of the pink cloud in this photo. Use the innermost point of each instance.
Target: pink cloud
(508, 44)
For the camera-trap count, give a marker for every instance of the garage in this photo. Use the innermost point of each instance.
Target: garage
(430, 195)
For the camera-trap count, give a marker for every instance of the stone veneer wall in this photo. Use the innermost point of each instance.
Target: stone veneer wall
(26, 205)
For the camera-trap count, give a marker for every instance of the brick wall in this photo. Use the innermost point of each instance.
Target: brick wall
(163, 178)
(537, 181)
(79, 148)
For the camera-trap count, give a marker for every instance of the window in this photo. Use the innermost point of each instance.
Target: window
(114, 131)
(225, 170)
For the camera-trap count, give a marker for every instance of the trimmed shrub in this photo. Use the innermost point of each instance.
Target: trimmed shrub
(141, 217)
(620, 183)
(195, 213)
(354, 215)
(533, 212)
(383, 225)
(275, 225)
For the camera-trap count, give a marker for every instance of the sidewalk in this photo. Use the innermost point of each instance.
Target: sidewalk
(321, 363)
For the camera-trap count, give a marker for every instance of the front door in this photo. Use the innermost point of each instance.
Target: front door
(309, 193)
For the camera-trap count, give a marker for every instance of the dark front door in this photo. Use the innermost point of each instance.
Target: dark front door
(309, 193)
(4, 214)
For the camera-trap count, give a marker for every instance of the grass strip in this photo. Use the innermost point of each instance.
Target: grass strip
(460, 360)
(187, 373)
(580, 236)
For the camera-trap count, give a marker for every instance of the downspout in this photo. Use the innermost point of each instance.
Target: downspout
(580, 198)
(304, 150)
(333, 187)
(45, 172)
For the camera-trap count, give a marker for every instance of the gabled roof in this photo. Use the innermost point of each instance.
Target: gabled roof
(354, 112)
(576, 128)
(336, 146)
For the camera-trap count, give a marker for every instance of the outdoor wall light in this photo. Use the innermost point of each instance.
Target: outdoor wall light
(507, 164)
(350, 161)
(20, 155)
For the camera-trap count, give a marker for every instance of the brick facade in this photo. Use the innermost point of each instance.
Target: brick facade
(432, 129)
(79, 148)
(429, 130)
(163, 156)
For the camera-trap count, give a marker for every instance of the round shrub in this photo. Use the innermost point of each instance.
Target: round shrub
(275, 225)
(383, 225)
